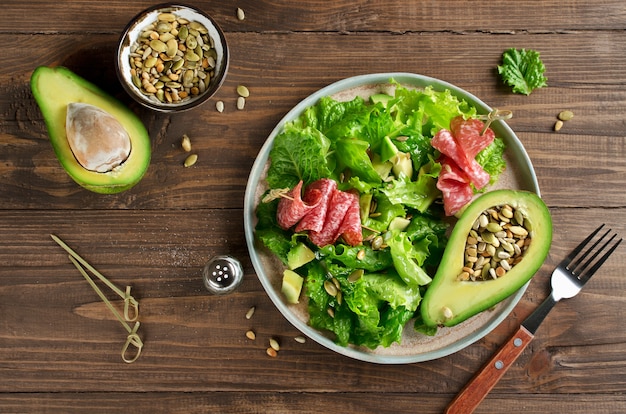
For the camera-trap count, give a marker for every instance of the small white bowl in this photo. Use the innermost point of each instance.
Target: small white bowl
(138, 25)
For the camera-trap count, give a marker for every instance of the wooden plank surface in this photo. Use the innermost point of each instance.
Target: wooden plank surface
(59, 345)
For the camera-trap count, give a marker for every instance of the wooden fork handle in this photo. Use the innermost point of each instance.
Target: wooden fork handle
(477, 389)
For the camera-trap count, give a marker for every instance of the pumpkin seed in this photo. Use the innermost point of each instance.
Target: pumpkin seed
(251, 335)
(166, 17)
(330, 288)
(172, 47)
(157, 45)
(243, 91)
(183, 33)
(219, 105)
(166, 37)
(300, 339)
(150, 62)
(355, 275)
(250, 312)
(274, 344)
(566, 115)
(190, 160)
(163, 27)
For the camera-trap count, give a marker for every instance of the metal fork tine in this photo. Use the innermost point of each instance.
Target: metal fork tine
(573, 266)
(570, 257)
(600, 261)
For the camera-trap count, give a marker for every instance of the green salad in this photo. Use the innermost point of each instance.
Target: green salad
(381, 281)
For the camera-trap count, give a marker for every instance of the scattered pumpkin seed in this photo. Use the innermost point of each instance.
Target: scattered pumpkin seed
(186, 143)
(300, 339)
(330, 288)
(274, 344)
(251, 335)
(271, 352)
(241, 15)
(566, 115)
(243, 91)
(356, 275)
(191, 160)
(219, 105)
(250, 312)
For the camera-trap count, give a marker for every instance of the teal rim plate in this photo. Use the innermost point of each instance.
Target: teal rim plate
(414, 346)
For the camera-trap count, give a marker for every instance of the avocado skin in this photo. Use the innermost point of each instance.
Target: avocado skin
(466, 298)
(53, 89)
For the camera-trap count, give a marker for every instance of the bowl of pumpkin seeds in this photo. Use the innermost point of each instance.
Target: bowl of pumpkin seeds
(172, 57)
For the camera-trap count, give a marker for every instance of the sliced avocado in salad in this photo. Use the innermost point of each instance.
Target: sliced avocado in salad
(382, 98)
(457, 294)
(379, 284)
(299, 256)
(388, 149)
(292, 286)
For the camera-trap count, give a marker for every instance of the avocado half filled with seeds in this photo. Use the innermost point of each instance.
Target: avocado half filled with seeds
(498, 244)
(99, 142)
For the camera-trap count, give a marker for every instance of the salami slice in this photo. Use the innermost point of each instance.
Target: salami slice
(350, 229)
(446, 143)
(291, 210)
(467, 134)
(339, 204)
(319, 194)
(454, 186)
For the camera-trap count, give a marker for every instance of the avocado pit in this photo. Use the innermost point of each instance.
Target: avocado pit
(98, 140)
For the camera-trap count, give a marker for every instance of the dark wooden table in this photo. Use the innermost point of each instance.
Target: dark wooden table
(59, 345)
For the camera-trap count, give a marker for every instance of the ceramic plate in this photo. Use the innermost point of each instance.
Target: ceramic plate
(414, 347)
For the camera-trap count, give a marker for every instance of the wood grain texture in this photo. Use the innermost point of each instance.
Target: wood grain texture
(59, 345)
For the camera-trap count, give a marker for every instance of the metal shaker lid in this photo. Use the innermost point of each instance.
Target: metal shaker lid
(222, 274)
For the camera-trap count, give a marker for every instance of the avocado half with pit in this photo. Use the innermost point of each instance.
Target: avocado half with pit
(452, 297)
(100, 143)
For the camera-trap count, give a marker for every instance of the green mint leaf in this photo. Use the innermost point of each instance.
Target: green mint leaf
(523, 70)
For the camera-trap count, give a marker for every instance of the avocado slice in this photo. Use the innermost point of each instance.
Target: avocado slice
(388, 149)
(383, 98)
(71, 106)
(299, 255)
(292, 286)
(450, 299)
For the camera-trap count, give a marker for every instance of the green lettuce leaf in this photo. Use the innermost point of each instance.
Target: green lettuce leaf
(352, 154)
(418, 194)
(407, 259)
(268, 231)
(298, 154)
(492, 159)
(523, 70)
(390, 288)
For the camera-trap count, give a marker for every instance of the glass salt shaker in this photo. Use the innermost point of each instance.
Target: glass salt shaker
(222, 274)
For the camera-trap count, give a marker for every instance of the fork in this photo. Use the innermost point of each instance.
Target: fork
(567, 280)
